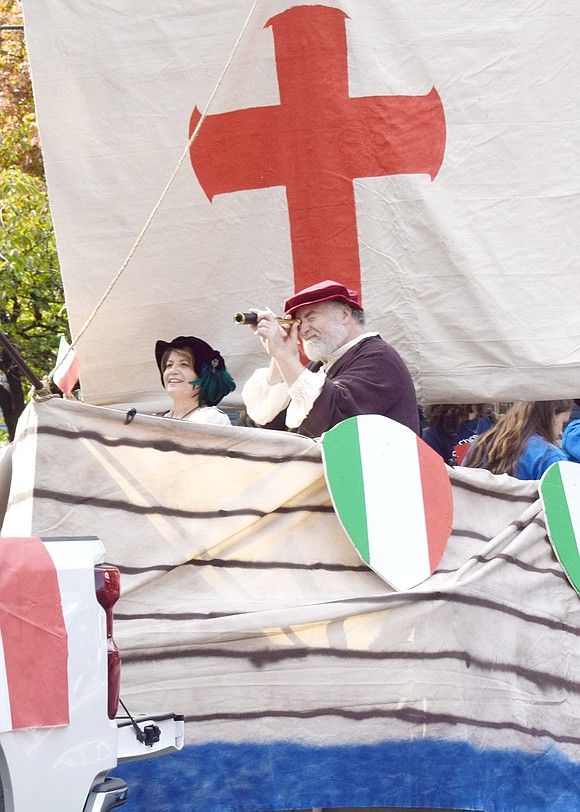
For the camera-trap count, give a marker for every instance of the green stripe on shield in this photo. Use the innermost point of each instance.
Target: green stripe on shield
(344, 475)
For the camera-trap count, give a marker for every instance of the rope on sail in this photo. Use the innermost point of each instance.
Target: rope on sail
(157, 206)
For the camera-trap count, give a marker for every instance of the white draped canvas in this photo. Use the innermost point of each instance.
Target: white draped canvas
(422, 151)
(304, 679)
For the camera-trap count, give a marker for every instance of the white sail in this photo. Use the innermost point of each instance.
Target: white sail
(468, 267)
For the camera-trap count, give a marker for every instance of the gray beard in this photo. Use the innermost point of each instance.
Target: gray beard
(318, 349)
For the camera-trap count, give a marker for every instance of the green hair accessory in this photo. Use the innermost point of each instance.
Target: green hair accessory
(215, 383)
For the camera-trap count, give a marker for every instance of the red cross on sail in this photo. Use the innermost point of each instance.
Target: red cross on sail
(316, 141)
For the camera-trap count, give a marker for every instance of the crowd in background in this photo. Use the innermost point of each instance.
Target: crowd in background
(521, 439)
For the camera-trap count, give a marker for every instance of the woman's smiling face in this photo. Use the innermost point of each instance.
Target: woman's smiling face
(178, 373)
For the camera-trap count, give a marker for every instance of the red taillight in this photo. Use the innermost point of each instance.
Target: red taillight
(108, 590)
(114, 663)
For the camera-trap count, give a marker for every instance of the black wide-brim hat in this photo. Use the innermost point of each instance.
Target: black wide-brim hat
(202, 352)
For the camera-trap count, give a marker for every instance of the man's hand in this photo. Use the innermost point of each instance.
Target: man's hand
(281, 343)
(276, 338)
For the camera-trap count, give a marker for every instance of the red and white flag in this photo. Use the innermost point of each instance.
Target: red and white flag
(33, 638)
(66, 371)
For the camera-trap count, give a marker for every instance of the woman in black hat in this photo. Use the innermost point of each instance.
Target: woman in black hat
(196, 379)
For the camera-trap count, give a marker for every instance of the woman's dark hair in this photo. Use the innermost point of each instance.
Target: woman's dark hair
(450, 416)
(447, 416)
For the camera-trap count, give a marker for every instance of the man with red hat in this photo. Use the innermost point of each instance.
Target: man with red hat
(351, 371)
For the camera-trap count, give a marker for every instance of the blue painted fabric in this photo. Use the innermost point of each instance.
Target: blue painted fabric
(429, 774)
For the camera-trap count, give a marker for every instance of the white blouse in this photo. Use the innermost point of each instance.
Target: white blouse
(206, 414)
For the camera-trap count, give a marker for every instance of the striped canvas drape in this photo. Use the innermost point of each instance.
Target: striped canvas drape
(305, 681)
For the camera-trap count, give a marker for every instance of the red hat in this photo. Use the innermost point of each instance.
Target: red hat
(327, 291)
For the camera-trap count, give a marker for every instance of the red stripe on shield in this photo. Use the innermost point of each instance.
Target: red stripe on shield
(437, 501)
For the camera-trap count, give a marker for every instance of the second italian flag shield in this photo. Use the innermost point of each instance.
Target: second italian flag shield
(560, 495)
(392, 495)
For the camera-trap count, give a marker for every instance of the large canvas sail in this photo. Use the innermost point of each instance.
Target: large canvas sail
(423, 153)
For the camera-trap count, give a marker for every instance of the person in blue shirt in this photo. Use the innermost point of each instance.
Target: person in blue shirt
(452, 427)
(571, 441)
(523, 443)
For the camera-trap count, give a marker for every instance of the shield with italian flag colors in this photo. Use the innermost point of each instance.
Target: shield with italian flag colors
(392, 495)
(560, 495)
